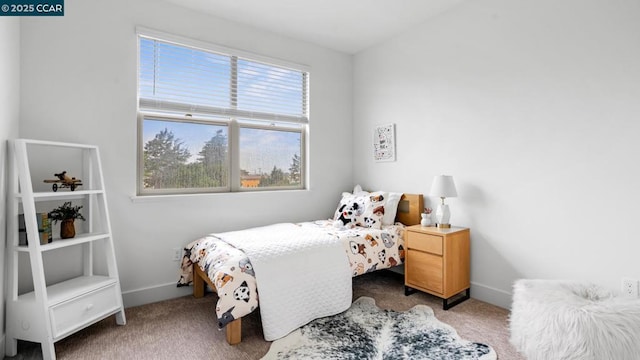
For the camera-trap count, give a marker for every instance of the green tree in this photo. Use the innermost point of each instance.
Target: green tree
(213, 160)
(164, 161)
(294, 170)
(277, 177)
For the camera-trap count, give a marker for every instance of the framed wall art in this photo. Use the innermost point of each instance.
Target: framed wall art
(384, 143)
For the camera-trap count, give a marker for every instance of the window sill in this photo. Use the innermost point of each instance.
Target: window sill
(174, 197)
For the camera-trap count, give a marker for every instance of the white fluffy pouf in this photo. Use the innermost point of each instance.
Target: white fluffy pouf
(572, 321)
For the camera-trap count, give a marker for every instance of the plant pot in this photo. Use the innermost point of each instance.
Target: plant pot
(67, 229)
(426, 219)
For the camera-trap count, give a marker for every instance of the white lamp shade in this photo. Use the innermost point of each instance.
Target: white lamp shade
(443, 187)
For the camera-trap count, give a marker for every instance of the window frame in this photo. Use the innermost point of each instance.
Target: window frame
(142, 116)
(264, 121)
(238, 125)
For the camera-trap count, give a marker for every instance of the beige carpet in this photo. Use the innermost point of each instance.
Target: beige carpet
(185, 328)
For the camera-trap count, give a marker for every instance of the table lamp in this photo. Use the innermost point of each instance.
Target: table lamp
(443, 187)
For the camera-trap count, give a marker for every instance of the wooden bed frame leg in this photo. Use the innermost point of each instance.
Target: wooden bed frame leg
(234, 332)
(198, 283)
(234, 328)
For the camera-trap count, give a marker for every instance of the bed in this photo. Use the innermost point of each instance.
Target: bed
(367, 227)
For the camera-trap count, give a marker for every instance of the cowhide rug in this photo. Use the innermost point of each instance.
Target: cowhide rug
(365, 331)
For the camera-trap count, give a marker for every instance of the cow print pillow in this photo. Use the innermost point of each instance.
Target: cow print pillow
(366, 210)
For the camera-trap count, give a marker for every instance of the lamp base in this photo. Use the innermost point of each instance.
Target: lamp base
(442, 216)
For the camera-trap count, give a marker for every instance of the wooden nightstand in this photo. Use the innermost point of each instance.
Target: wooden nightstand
(437, 262)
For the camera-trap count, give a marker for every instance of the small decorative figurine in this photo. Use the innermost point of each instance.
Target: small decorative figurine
(64, 181)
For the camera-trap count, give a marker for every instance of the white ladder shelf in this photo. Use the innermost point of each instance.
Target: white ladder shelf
(51, 312)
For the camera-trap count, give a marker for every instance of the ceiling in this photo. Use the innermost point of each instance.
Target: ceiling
(343, 25)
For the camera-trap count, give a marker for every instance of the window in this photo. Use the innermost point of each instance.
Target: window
(213, 119)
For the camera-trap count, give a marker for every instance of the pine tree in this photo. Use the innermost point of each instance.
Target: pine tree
(294, 170)
(164, 156)
(276, 178)
(213, 158)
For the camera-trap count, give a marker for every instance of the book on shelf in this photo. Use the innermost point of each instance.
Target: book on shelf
(44, 229)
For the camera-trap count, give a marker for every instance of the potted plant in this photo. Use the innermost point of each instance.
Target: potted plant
(67, 214)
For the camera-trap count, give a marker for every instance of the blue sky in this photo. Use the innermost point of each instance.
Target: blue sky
(193, 135)
(261, 149)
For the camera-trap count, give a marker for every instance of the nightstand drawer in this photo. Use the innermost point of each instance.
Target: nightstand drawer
(69, 315)
(424, 271)
(424, 242)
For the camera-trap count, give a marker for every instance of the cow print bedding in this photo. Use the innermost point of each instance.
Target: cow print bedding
(230, 270)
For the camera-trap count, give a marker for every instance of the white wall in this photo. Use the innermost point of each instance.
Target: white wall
(79, 85)
(533, 107)
(9, 112)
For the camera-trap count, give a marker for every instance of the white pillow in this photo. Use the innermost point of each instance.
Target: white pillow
(391, 208)
(357, 190)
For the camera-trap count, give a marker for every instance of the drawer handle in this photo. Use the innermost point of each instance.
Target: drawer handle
(89, 307)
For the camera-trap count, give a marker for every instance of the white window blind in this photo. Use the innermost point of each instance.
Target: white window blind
(185, 79)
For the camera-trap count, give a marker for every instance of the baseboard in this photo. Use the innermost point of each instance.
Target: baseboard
(153, 294)
(491, 295)
(168, 291)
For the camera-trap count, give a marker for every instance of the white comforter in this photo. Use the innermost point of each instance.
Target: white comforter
(302, 274)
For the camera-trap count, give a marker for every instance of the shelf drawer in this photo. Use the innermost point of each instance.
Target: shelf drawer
(424, 242)
(424, 271)
(74, 314)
